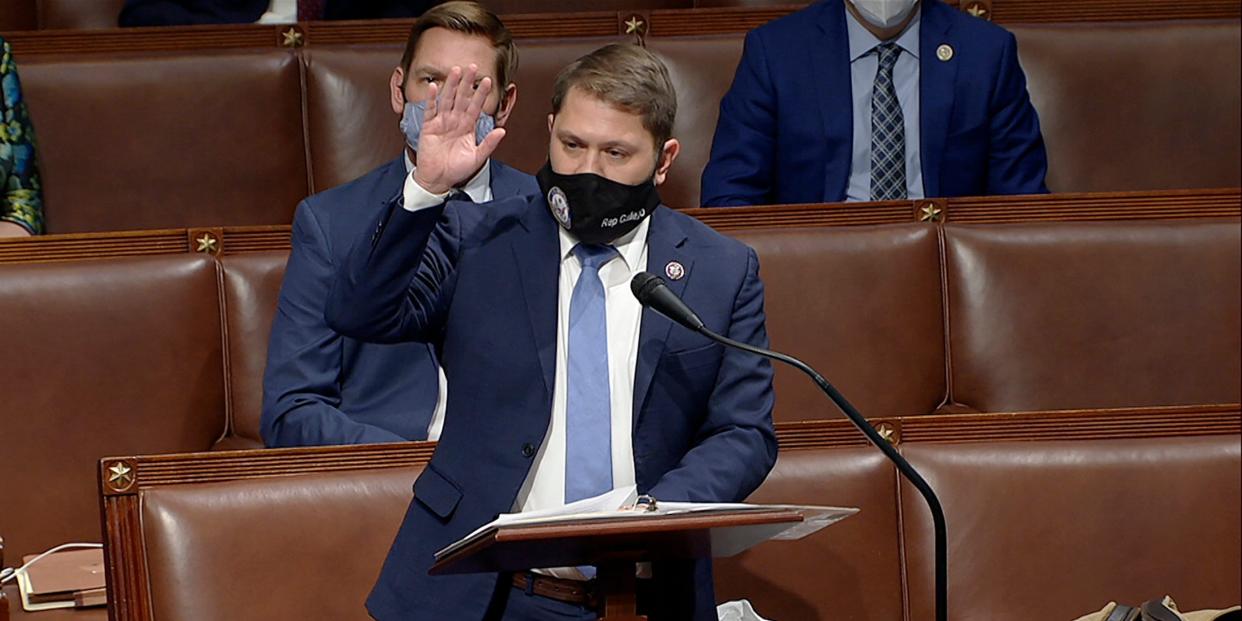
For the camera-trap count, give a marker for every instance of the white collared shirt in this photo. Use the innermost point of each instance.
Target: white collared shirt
(545, 483)
(479, 189)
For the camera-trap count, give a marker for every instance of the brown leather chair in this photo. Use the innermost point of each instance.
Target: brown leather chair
(1090, 315)
(18, 15)
(251, 286)
(104, 357)
(1133, 106)
(62, 14)
(863, 306)
(851, 570)
(301, 547)
(1121, 505)
(702, 70)
(168, 140)
(1055, 529)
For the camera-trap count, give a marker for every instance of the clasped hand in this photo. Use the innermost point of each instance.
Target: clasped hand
(447, 153)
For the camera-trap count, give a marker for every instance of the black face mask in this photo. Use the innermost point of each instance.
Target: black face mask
(596, 210)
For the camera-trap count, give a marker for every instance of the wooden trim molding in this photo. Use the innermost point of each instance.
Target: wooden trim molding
(661, 23)
(1082, 207)
(1072, 207)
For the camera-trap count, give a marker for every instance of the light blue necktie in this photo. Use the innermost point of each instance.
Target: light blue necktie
(588, 411)
(888, 131)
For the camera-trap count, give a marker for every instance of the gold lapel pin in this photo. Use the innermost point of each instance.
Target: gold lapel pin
(944, 52)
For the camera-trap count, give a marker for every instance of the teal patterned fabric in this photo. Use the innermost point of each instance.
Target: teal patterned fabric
(21, 195)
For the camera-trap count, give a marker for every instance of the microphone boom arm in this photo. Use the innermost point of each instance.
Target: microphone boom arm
(907, 470)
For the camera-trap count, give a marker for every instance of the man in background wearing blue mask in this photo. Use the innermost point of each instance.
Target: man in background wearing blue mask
(875, 100)
(319, 386)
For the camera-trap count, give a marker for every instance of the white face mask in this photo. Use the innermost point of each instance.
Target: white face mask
(884, 13)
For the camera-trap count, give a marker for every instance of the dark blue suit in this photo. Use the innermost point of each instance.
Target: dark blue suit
(486, 294)
(320, 387)
(785, 133)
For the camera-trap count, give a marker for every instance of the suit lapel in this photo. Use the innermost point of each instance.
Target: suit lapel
(666, 241)
(536, 255)
(936, 87)
(829, 69)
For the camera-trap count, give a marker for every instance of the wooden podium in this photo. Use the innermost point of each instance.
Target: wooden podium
(614, 545)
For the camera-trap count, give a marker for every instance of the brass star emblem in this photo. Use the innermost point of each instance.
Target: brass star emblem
(930, 213)
(120, 476)
(977, 10)
(291, 38)
(887, 432)
(207, 243)
(635, 25)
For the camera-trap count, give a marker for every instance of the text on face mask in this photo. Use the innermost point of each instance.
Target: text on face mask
(633, 216)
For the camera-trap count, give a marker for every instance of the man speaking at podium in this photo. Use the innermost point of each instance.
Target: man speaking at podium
(564, 387)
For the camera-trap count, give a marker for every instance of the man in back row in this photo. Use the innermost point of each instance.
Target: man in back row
(320, 387)
(562, 386)
(858, 100)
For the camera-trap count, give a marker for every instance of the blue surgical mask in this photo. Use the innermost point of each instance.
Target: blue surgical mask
(412, 124)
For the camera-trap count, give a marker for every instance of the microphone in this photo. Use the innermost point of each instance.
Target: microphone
(653, 293)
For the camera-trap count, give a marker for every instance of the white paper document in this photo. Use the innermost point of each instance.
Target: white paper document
(619, 504)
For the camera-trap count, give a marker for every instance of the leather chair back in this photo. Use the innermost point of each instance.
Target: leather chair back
(702, 70)
(863, 306)
(1056, 529)
(300, 547)
(1137, 106)
(1092, 315)
(852, 569)
(168, 140)
(251, 287)
(76, 14)
(111, 357)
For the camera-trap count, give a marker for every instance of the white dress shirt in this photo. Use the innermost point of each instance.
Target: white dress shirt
(280, 12)
(479, 189)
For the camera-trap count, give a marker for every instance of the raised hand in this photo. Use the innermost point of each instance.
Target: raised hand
(447, 153)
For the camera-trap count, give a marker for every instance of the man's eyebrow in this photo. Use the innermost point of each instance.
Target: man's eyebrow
(563, 134)
(430, 71)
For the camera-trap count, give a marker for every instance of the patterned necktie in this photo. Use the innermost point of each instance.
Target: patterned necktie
(588, 411)
(888, 131)
(309, 10)
(459, 195)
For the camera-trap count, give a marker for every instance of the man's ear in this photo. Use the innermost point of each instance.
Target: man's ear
(551, 117)
(667, 154)
(508, 98)
(396, 93)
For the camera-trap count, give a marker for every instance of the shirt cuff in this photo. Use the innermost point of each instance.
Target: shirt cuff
(416, 198)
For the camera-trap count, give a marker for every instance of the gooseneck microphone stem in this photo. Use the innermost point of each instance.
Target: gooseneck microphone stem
(652, 292)
(874, 436)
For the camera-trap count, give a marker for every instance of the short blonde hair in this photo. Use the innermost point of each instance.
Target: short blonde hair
(628, 77)
(472, 19)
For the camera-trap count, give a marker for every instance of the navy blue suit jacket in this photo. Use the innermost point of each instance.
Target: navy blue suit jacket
(486, 293)
(320, 387)
(786, 134)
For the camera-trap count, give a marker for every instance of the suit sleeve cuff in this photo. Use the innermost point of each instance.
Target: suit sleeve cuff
(415, 198)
